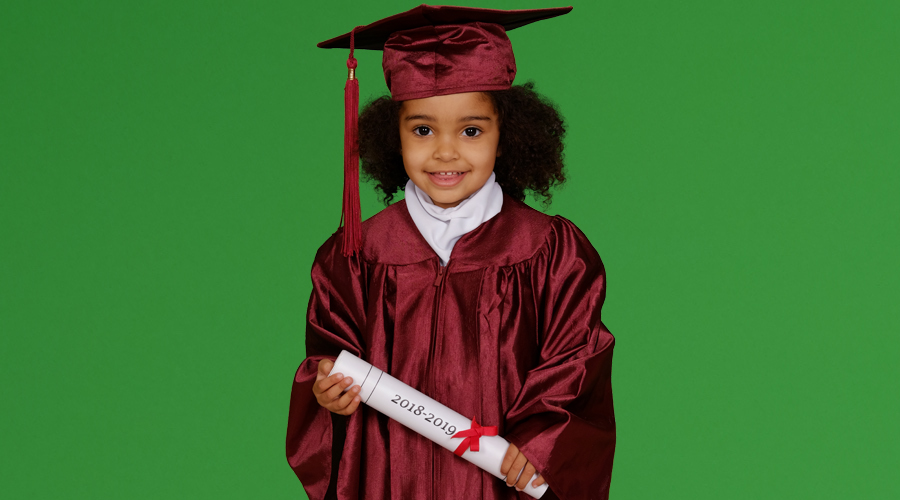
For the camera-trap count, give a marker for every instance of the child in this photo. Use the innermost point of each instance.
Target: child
(460, 290)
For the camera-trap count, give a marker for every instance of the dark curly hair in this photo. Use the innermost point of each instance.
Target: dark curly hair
(531, 142)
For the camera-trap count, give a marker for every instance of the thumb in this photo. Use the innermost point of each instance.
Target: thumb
(325, 366)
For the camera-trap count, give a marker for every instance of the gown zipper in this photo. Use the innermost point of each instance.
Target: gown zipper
(440, 276)
(435, 325)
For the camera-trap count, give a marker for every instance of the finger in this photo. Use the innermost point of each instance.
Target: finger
(511, 453)
(539, 481)
(325, 366)
(516, 468)
(327, 383)
(335, 391)
(340, 403)
(354, 404)
(527, 474)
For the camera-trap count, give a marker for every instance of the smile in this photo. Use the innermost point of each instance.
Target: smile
(446, 179)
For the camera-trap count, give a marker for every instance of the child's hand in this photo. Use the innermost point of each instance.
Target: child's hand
(328, 390)
(513, 462)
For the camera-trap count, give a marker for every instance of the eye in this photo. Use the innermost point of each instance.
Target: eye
(422, 130)
(472, 132)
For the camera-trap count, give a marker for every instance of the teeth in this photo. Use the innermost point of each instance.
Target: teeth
(446, 174)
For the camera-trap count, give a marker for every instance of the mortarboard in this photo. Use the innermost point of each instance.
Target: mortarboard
(430, 50)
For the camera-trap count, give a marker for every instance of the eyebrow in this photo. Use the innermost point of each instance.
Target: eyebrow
(419, 117)
(433, 119)
(475, 118)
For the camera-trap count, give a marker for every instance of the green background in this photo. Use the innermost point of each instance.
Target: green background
(169, 169)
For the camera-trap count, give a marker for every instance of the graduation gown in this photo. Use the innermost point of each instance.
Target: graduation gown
(509, 332)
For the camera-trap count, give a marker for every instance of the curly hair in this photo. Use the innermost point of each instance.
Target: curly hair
(531, 144)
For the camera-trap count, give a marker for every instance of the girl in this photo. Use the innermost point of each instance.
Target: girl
(460, 290)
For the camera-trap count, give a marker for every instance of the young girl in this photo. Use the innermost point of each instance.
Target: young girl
(460, 290)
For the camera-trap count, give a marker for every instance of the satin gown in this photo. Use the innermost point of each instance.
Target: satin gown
(509, 332)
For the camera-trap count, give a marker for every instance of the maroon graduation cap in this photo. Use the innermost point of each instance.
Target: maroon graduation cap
(430, 50)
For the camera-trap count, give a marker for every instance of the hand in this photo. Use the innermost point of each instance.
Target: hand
(515, 461)
(328, 390)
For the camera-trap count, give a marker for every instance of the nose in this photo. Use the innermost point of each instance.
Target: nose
(445, 150)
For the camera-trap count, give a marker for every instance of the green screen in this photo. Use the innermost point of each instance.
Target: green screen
(168, 170)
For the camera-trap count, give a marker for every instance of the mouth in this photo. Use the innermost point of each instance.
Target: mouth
(447, 178)
(448, 173)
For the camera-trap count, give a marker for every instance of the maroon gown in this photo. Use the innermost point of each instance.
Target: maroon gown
(509, 333)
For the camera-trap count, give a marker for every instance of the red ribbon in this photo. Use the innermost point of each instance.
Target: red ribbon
(472, 435)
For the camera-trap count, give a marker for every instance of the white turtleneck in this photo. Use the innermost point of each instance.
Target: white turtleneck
(443, 227)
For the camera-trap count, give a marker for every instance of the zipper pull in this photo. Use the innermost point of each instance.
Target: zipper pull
(440, 276)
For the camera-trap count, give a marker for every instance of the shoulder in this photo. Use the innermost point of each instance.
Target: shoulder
(381, 234)
(567, 242)
(391, 237)
(564, 231)
(516, 234)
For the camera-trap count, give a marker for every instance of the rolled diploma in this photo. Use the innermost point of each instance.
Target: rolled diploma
(424, 415)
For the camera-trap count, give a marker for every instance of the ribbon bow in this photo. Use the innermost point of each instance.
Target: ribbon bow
(472, 435)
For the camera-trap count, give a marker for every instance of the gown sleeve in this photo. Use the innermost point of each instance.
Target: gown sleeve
(335, 321)
(562, 419)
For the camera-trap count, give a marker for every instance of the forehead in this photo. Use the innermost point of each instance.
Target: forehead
(450, 106)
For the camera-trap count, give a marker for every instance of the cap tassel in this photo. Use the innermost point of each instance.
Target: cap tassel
(351, 216)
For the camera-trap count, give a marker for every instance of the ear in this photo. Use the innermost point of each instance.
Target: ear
(499, 151)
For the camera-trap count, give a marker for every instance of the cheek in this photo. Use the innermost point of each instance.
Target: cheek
(416, 145)
(413, 158)
(487, 155)
(405, 148)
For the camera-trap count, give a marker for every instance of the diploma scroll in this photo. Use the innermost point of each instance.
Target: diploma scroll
(427, 417)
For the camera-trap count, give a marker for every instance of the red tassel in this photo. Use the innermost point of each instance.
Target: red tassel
(351, 216)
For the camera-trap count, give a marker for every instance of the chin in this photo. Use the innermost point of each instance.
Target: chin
(446, 200)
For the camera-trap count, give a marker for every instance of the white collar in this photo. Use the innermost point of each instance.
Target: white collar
(443, 227)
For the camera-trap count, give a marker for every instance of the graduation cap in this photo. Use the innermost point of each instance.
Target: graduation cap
(430, 50)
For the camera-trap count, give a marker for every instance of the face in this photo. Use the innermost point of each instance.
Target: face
(449, 144)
